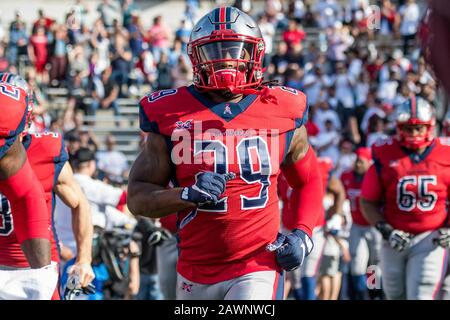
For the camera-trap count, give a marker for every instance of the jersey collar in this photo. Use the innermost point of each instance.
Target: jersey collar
(416, 157)
(225, 110)
(26, 141)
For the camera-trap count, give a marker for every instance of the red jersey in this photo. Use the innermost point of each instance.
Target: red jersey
(415, 188)
(352, 184)
(169, 222)
(249, 138)
(13, 102)
(285, 191)
(47, 156)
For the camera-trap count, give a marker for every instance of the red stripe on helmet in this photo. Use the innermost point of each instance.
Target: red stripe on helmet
(222, 18)
(413, 107)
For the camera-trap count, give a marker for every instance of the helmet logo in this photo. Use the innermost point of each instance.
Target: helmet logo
(260, 46)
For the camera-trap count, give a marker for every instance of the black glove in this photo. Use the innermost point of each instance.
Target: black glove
(398, 239)
(208, 188)
(443, 239)
(291, 249)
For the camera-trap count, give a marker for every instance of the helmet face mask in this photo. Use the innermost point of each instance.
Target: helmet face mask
(415, 123)
(226, 49)
(18, 81)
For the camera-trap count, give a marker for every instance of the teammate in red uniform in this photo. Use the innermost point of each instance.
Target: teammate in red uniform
(304, 281)
(18, 181)
(365, 241)
(224, 141)
(48, 157)
(411, 174)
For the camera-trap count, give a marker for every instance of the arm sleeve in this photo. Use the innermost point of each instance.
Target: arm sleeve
(307, 194)
(28, 207)
(146, 123)
(371, 187)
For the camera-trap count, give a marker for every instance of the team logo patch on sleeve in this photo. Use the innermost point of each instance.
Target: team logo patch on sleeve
(160, 94)
(179, 125)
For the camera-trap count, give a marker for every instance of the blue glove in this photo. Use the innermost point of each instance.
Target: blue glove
(207, 188)
(291, 249)
(443, 239)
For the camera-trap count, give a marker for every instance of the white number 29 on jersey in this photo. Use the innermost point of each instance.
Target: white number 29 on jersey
(423, 199)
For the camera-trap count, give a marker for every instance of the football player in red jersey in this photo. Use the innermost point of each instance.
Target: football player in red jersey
(18, 181)
(411, 174)
(47, 157)
(304, 281)
(365, 241)
(224, 141)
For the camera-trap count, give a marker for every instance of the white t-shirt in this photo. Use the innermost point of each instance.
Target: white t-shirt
(114, 162)
(63, 225)
(103, 199)
(323, 115)
(410, 15)
(369, 113)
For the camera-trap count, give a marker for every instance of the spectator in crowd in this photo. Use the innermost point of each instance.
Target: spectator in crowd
(375, 106)
(112, 163)
(279, 62)
(88, 140)
(101, 43)
(81, 11)
(146, 71)
(18, 40)
(389, 20)
(328, 12)
(43, 21)
(129, 10)
(78, 64)
(294, 34)
(346, 157)
(38, 53)
(296, 10)
(181, 73)
(375, 130)
(158, 38)
(105, 93)
(136, 32)
(58, 55)
(109, 11)
(121, 57)
(164, 73)
(183, 33)
(268, 33)
(176, 52)
(327, 141)
(410, 18)
(152, 236)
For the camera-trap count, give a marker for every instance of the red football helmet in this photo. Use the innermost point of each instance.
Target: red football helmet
(226, 49)
(18, 81)
(415, 111)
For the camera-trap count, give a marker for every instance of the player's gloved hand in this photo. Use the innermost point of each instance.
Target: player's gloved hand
(398, 239)
(158, 236)
(291, 249)
(443, 239)
(207, 188)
